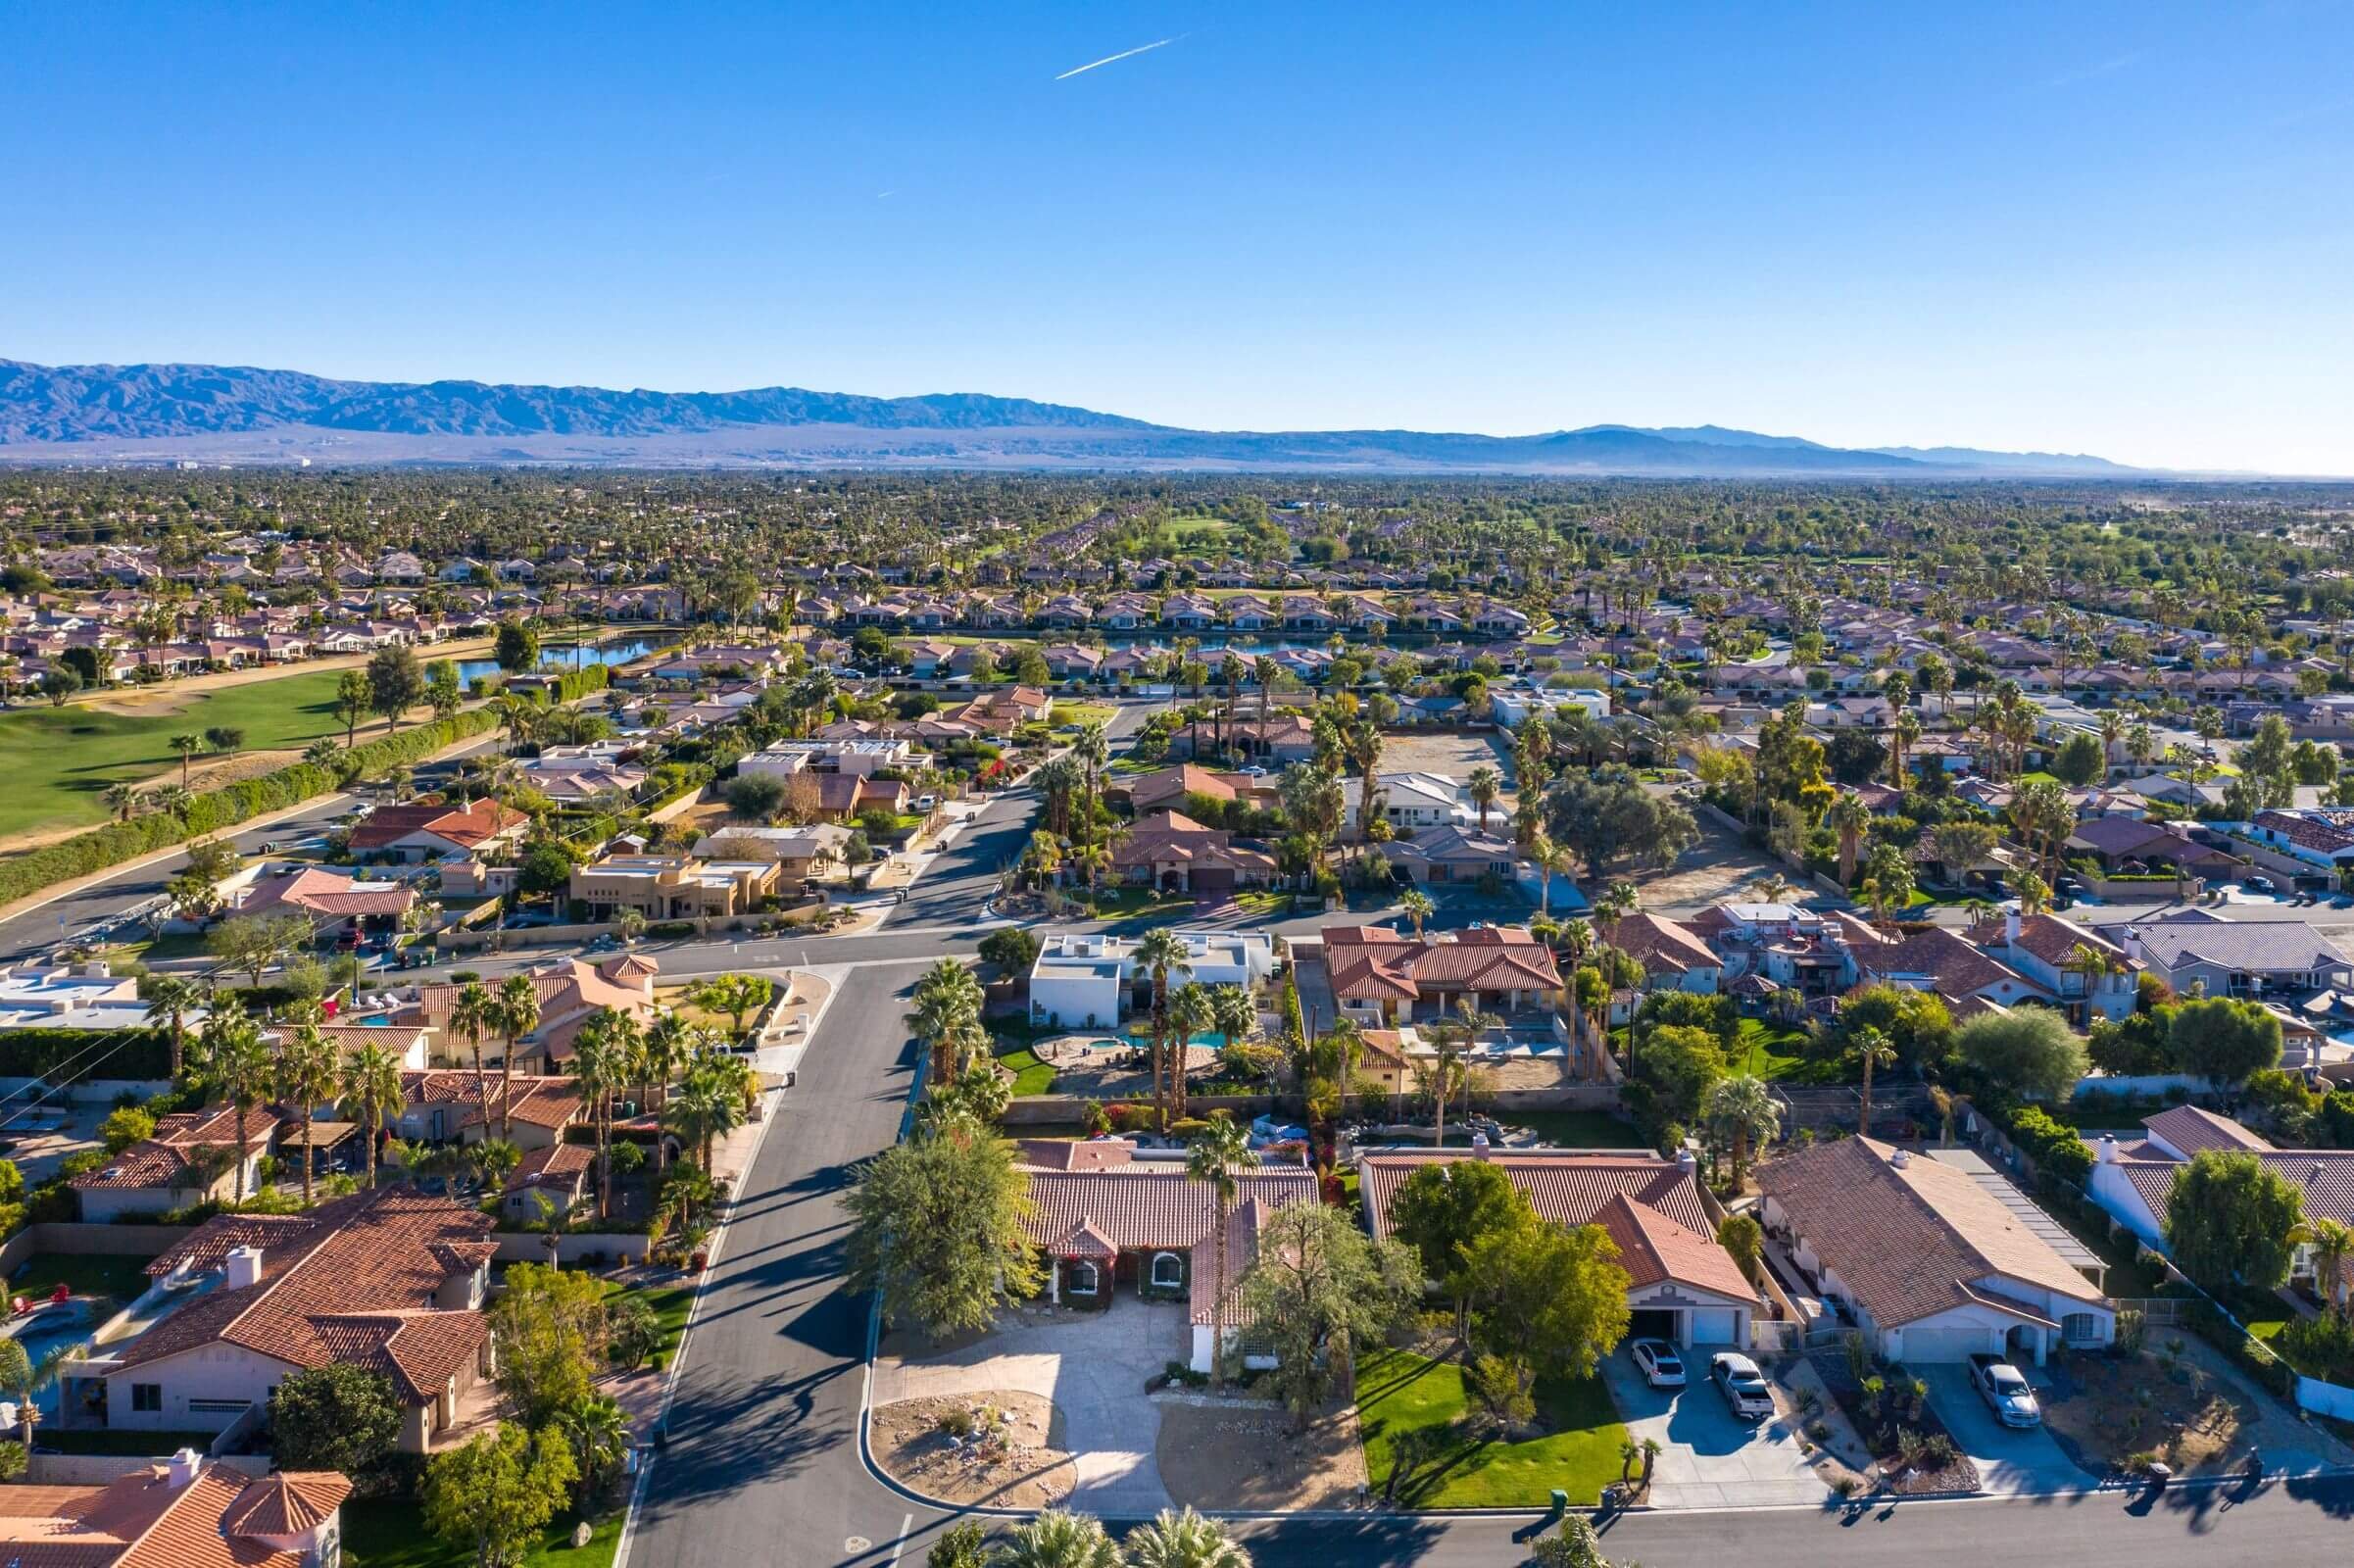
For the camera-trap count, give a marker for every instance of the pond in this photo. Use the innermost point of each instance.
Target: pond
(619, 651)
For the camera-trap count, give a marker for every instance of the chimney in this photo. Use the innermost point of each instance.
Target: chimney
(1684, 1161)
(2010, 926)
(183, 1466)
(244, 1267)
(2107, 1151)
(1900, 1159)
(1479, 1145)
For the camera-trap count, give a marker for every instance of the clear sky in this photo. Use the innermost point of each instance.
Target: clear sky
(2118, 229)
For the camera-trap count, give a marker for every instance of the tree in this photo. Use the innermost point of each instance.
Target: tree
(1183, 1540)
(702, 1109)
(58, 683)
(187, 745)
(1744, 1115)
(496, 1494)
(307, 1074)
(237, 1067)
(633, 1329)
(960, 1545)
(2231, 1218)
(2135, 1045)
(1213, 1157)
(1418, 908)
(1850, 818)
(937, 1230)
(2029, 1052)
(1161, 953)
(1011, 949)
(171, 998)
(475, 1018)
(2080, 761)
(1672, 1075)
(1574, 1546)
(395, 683)
(597, 1430)
(333, 1417)
(252, 943)
(1874, 1049)
(739, 993)
(124, 1126)
(1743, 1239)
(1483, 786)
(1550, 1297)
(372, 1092)
(755, 797)
(519, 1015)
(2224, 1041)
(355, 700)
(1604, 814)
(551, 1330)
(516, 647)
(1442, 1208)
(1055, 1539)
(1319, 1289)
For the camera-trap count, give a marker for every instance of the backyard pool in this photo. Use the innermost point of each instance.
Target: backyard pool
(44, 1331)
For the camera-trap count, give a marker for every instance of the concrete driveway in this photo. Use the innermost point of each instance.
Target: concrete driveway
(1708, 1458)
(1093, 1365)
(2009, 1462)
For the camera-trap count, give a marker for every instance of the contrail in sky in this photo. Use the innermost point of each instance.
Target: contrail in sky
(1141, 49)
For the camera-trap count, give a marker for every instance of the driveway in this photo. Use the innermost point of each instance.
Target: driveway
(1707, 1458)
(1093, 1365)
(2008, 1460)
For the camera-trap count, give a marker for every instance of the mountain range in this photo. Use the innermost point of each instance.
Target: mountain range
(236, 413)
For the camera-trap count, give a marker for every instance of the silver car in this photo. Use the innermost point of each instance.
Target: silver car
(2006, 1392)
(1742, 1385)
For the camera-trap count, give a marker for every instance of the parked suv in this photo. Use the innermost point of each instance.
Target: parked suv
(1743, 1386)
(1656, 1359)
(2005, 1388)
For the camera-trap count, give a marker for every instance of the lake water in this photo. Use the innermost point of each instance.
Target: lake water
(620, 652)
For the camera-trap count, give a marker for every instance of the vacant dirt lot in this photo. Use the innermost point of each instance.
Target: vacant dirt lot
(1225, 1457)
(1717, 868)
(1014, 1458)
(1453, 756)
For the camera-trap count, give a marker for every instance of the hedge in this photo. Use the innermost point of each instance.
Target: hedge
(51, 1053)
(227, 807)
(575, 684)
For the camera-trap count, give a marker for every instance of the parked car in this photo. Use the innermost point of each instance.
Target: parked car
(1743, 1386)
(2005, 1388)
(924, 802)
(1656, 1359)
(2258, 883)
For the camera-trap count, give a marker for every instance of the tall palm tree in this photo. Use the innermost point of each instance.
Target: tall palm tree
(1159, 953)
(306, 1076)
(1234, 1014)
(1190, 1015)
(1484, 785)
(519, 1015)
(2332, 1242)
(1213, 1157)
(1874, 1049)
(371, 1091)
(1850, 818)
(187, 746)
(704, 1107)
(171, 997)
(1418, 908)
(238, 1067)
(669, 1043)
(1183, 1540)
(1548, 857)
(603, 1056)
(475, 1015)
(1742, 1111)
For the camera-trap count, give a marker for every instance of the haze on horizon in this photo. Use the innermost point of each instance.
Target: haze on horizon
(2119, 231)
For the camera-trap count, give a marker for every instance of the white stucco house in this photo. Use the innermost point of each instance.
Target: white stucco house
(1083, 980)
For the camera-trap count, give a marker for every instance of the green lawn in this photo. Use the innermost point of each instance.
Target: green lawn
(1400, 1391)
(390, 1533)
(1071, 716)
(1030, 1075)
(1576, 1129)
(63, 759)
(123, 1279)
(1113, 903)
(1772, 1051)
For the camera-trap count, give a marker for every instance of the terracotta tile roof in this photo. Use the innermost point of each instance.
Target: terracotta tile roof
(561, 1165)
(1914, 1240)
(1661, 946)
(1378, 963)
(1652, 1208)
(1954, 966)
(216, 1519)
(1064, 1153)
(551, 1103)
(1099, 1213)
(356, 1284)
(478, 823)
(291, 1502)
(158, 1161)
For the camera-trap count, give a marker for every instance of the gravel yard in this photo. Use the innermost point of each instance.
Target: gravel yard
(1221, 1455)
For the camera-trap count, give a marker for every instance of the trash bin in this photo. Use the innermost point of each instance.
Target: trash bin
(1560, 1504)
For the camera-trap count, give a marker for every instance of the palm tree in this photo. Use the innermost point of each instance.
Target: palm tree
(1850, 818)
(669, 1042)
(1234, 1014)
(1483, 786)
(371, 1091)
(473, 1015)
(305, 1076)
(1161, 953)
(1192, 1014)
(705, 1107)
(171, 997)
(604, 1054)
(121, 800)
(1874, 1049)
(187, 746)
(1183, 1540)
(1742, 1111)
(519, 1015)
(21, 1379)
(1772, 888)
(1418, 908)
(1213, 1157)
(1450, 1037)
(1549, 859)
(2331, 1243)
(947, 1018)
(237, 1065)
(1059, 1540)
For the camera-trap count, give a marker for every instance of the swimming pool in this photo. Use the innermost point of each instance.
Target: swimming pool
(47, 1330)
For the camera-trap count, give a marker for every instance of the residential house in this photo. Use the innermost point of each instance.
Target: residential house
(450, 1105)
(2237, 957)
(190, 1158)
(1085, 976)
(673, 887)
(331, 901)
(185, 1512)
(547, 1183)
(413, 833)
(1171, 787)
(1174, 853)
(570, 992)
(1382, 977)
(2090, 975)
(1454, 854)
(1408, 802)
(2133, 1180)
(1933, 1264)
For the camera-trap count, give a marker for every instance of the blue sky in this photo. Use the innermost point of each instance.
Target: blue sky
(2113, 228)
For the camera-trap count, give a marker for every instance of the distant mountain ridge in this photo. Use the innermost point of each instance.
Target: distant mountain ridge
(156, 413)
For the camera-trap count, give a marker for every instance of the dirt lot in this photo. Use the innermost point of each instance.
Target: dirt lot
(1453, 756)
(1224, 1457)
(2098, 1415)
(1019, 1465)
(1719, 868)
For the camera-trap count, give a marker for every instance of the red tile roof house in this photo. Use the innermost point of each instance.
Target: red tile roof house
(1177, 853)
(155, 1175)
(182, 1514)
(448, 1105)
(2133, 1179)
(429, 832)
(391, 1280)
(1381, 976)
(1103, 1218)
(1681, 1286)
(570, 992)
(331, 899)
(1931, 1266)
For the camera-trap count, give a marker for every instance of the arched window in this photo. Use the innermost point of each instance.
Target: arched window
(1168, 1270)
(1083, 1278)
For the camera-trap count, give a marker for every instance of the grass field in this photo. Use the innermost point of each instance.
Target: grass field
(61, 759)
(1030, 1075)
(1072, 716)
(1774, 1051)
(1400, 1392)
(1576, 1129)
(122, 1279)
(390, 1533)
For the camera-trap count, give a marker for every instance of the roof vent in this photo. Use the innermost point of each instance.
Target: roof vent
(244, 1266)
(1900, 1159)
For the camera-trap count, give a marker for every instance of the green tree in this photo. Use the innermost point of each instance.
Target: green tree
(1319, 1289)
(2224, 1041)
(333, 1417)
(1183, 1540)
(2080, 760)
(252, 943)
(516, 647)
(443, 689)
(1671, 1076)
(1442, 1208)
(395, 683)
(964, 1545)
(551, 1332)
(124, 1126)
(518, 1016)
(937, 1230)
(1213, 1158)
(1605, 816)
(354, 702)
(1744, 1240)
(1552, 1297)
(371, 1091)
(495, 1495)
(171, 998)
(2231, 1218)
(236, 1066)
(1744, 1117)
(308, 1072)
(633, 1331)
(2028, 1052)
(1011, 949)
(597, 1429)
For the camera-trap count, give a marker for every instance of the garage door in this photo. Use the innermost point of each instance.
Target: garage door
(1713, 1325)
(1922, 1342)
(1214, 879)
(1656, 1324)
